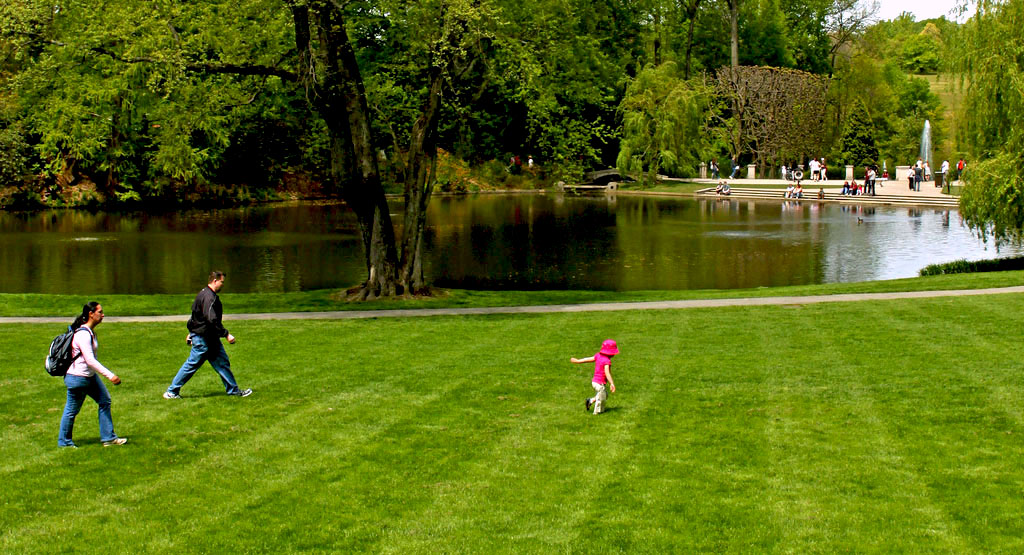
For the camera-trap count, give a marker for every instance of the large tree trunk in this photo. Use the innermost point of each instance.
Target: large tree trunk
(340, 99)
(734, 32)
(692, 13)
(419, 184)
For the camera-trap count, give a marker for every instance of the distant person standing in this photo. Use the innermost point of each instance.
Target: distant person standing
(735, 168)
(815, 169)
(81, 379)
(869, 181)
(960, 167)
(204, 334)
(529, 161)
(944, 170)
(714, 169)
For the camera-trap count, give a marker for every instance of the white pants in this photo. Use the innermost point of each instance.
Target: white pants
(599, 398)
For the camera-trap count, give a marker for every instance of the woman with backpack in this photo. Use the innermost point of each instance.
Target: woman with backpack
(81, 379)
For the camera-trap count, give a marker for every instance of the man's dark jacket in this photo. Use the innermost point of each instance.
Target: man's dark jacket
(206, 315)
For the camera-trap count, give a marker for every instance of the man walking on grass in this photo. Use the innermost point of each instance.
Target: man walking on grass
(204, 333)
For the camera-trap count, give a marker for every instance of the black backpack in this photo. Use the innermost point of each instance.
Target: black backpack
(60, 359)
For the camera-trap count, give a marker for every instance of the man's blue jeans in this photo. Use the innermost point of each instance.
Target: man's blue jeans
(206, 349)
(78, 389)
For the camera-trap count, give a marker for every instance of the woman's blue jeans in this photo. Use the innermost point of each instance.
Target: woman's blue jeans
(78, 389)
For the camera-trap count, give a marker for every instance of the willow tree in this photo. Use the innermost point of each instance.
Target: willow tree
(986, 56)
(662, 118)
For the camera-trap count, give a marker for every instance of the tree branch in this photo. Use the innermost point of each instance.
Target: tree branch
(208, 68)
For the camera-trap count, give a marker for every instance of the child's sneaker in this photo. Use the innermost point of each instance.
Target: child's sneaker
(587, 404)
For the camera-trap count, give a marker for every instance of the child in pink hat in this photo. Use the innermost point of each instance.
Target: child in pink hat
(602, 374)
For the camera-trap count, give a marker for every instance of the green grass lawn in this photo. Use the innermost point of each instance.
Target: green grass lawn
(888, 426)
(327, 300)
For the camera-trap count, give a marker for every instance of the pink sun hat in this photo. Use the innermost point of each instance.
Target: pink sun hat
(609, 348)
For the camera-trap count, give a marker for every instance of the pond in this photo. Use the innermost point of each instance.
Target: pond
(545, 241)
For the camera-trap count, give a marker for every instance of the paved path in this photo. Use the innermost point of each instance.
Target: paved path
(593, 307)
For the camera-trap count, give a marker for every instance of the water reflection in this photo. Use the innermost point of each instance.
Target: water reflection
(488, 241)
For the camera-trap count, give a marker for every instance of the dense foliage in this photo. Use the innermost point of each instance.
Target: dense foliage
(661, 127)
(991, 60)
(190, 103)
(226, 102)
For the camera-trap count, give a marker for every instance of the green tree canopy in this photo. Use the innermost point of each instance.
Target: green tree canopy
(857, 147)
(920, 54)
(662, 117)
(989, 58)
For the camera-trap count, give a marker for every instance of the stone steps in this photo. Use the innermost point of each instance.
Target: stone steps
(812, 195)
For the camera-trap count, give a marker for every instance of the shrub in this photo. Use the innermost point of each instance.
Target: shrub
(964, 266)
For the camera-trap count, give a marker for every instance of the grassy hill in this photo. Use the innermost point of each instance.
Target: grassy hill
(947, 87)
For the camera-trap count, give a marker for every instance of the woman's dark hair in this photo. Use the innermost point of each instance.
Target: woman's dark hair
(82, 318)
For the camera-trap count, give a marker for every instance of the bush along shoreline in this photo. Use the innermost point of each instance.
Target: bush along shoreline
(964, 266)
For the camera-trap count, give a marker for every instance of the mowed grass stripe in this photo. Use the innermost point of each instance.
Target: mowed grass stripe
(836, 472)
(292, 439)
(232, 481)
(969, 448)
(444, 434)
(694, 475)
(611, 491)
(740, 429)
(544, 433)
(436, 431)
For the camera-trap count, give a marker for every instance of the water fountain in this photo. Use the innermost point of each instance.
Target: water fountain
(926, 143)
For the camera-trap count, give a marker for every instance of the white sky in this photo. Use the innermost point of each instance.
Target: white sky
(922, 9)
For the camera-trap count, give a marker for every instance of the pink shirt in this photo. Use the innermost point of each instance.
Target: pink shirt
(85, 343)
(600, 361)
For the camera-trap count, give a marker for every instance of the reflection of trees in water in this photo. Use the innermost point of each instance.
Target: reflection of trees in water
(270, 270)
(714, 243)
(523, 242)
(93, 253)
